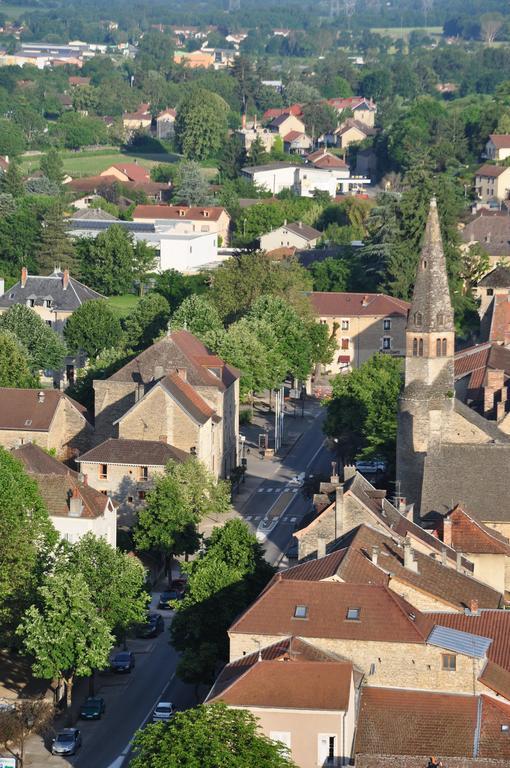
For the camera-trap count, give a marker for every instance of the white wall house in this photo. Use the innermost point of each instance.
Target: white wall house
(304, 179)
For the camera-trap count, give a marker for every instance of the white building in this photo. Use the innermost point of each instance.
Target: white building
(305, 179)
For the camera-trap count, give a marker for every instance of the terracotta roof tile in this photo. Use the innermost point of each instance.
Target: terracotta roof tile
(490, 170)
(188, 397)
(133, 171)
(143, 452)
(384, 616)
(22, 410)
(494, 742)
(496, 678)
(37, 461)
(500, 324)
(500, 140)
(488, 623)
(471, 536)
(357, 304)
(178, 212)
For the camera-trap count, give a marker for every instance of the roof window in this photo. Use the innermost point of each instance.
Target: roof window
(505, 728)
(28, 422)
(301, 612)
(353, 614)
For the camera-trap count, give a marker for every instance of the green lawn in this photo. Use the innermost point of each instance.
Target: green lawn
(399, 33)
(14, 11)
(84, 163)
(123, 305)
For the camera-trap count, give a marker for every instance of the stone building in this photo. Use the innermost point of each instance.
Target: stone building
(175, 392)
(446, 452)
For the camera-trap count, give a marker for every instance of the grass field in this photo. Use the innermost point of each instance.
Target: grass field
(402, 33)
(84, 163)
(123, 305)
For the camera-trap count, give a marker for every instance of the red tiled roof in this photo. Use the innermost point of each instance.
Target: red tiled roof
(471, 536)
(178, 212)
(93, 183)
(500, 140)
(497, 679)
(270, 114)
(350, 102)
(494, 742)
(491, 623)
(291, 684)
(490, 170)
(133, 171)
(21, 409)
(500, 323)
(472, 361)
(188, 397)
(384, 616)
(37, 461)
(76, 80)
(169, 111)
(293, 135)
(329, 161)
(355, 304)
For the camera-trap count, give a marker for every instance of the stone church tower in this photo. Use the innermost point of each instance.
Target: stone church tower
(427, 401)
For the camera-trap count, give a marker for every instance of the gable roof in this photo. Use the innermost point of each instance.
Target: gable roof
(403, 722)
(294, 136)
(188, 397)
(500, 322)
(41, 287)
(280, 119)
(351, 122)
(302, 230)
(499, 277)
(342, 304)
(352, 562)
(96, 214)
(133, 171)
(492, 230)
(494, 624)
(169, 112)
(323, 685)
(38, 462)
(179, 212)
(133, 452)
(352, 102)
(471, 536)
(491, 170)
(384, 616)
(24, 410)
(476, 361)
(500, 140)
(327, 160)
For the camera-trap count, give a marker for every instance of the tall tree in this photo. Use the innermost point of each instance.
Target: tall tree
(55, 246)
(26, 536)
(64, 633)
(319, 118)
(209, 736)
(144, 264)
(191, 186)
(14, 367)
(201, 124)
(257, 154)
(107, 261)
(11, 181)
(92, 328)
(232, 158)
(148, 319)
(52, 166)
(197, 315)
(44, 347)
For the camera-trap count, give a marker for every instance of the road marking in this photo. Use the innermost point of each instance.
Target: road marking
(319, 449)
(269, 490)
(261, 490)
(248, 517)
(293, 519)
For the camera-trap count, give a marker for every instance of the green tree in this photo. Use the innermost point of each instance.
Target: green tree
(44, 347)
(330, 274)
(26, 535)
(319, 118)
(232, 158)
(221, 584)
(64, 633)
(191, 186)
(201, 124)
(175, 286)
(7, 203)
(362, 411)
(144, 263)
(55, 247)
(12, 141)
(148, 319)
(257, 154)
(11, 181)
(107, 261)
(92, 328)
(76, 131)
(197, 315)
(14, 367)
(180, 499)
(209, 736)
(52, 166)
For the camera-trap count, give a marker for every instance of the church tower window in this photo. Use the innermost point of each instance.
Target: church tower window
(444, 346)
(415, 347)
(440, 318)
(438, 347)
(418, 318)
(420, 348)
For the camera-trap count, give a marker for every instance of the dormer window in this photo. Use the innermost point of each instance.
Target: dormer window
(353, 614)
(424, 264)
(440, 318)
(182, 212)
(418, 318)
(206, 214)
(301, 612)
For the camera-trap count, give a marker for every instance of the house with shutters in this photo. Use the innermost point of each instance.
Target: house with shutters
(293, 235)
(186, 219)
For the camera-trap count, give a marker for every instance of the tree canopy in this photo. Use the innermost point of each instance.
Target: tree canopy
(44, 347)
(92, 328)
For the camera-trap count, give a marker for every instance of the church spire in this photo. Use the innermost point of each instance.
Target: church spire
(431, 308)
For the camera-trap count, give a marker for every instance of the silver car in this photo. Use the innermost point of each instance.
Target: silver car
(66, 742)
(164, 711)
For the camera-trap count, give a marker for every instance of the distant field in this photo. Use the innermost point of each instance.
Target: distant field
(122, 306)
(85, 163)
(13, 11)
(399, 33)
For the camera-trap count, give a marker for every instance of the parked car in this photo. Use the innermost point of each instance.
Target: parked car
(164, 711)
(165, 599)
(371, 467)
(66, 742)
(152, 627)
(180, 586)
(124, 661)
(298, 479)
(92, 708)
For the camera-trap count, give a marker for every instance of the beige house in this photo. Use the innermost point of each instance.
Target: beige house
(302, 697)
(491, 229)
(294, 235)
(175, 392)
(498, 147)
(46, 417)
(363, 324)
(187, 219)
(127, 172)
(195, 59)
(73, 506)
(492, 182)
(363, 110)
(126, 470)
(165, 123)
(284, 124)
(251, 132)
(139, 120)
(352, 131)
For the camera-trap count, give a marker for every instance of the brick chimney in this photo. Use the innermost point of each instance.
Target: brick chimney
(65, 280)
(349, 471)
(75, 504)
(163, 438)
(375, 555)
(447, 531)
(182, 373)
(335, 479)
(339, 510)
(409, 561)
(321, 547)
(24, 275)
(474, 607)
(40, 396)
(243, 120)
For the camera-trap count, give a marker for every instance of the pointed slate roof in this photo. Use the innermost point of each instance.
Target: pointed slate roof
(431, 308)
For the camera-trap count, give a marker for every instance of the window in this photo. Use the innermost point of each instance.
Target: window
(30, 302)
(12, 295)
(204, 228)
(420, 348)
(490, 291)
(143, 473)
(345, 325)
(28, 422)
(326, 749)
(440, 318)
(418, 318)
(387, 324)
(49, 323)
(353, 614)
(130, 499)
(331, 749)
(448, 662)
(386, 342)
(438, 347)
(424, 264)
(47, 303)
(415, 347)
(103, 471)
(345, 343)
(105, 493)
(444, 347)
(300, 612)
(141, 495)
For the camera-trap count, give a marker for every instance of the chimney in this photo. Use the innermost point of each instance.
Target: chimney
(474, 607)
(447, 531)
(24, 275)
(364, 301)
(158, 372)
(139, 392)
(444, 558)
(163, 438)
(375, 555)
(402, 504)
(182, 373)
(75, 504)
(65, 280)
(334, 473)
(349, 471)
(255, 121)
(40, 396)
(85, 479)
(321, 547)
(409, 561)
(459, 561)
(285, 222)
(2, 286)
(339, 510)
(243, 121)
(300, 224)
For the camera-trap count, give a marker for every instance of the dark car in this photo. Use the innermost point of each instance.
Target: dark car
(66, 742)
(123, 661)
(166, 599)
(153, 626)
(180, 586)
(92, 708)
